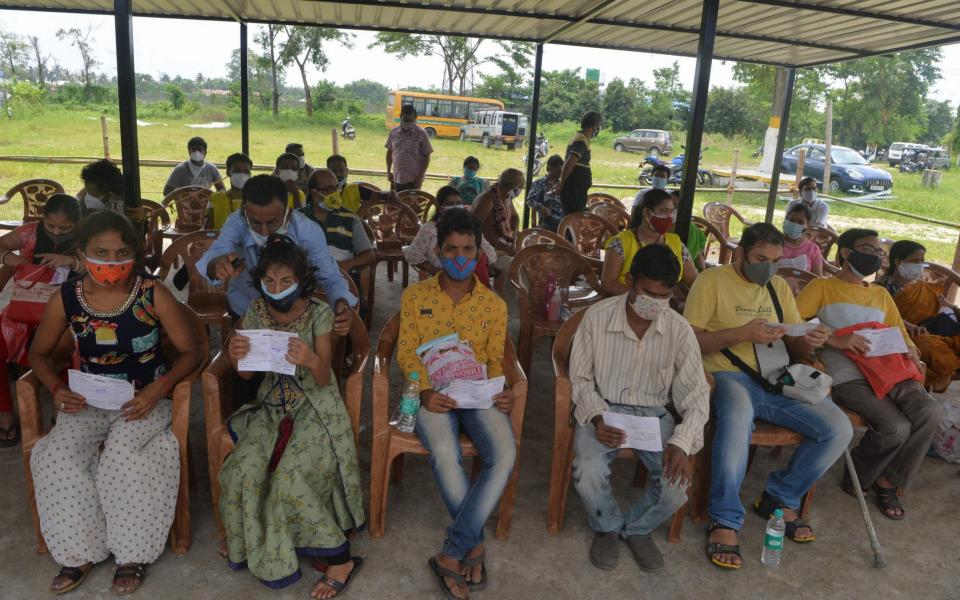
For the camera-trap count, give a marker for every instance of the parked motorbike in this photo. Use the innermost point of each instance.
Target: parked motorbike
(913, 162)
(540, 151)
(758, 153)
(347, 131)
(704, 176)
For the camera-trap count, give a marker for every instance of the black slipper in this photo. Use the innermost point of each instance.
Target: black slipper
(714, 548)
(137, 572)
(10, 436)
(441, 573)
(886, 499)
(340, 587)
(476, 586)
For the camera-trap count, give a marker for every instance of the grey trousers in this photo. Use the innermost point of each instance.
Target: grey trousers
(900, 428)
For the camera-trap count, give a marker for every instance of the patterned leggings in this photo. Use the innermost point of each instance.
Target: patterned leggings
(119, 501)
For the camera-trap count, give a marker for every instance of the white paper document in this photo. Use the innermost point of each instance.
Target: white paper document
(475, 394)
(884, 341)
(268, 351)
(800, 329)
(99, 391)
(643, 433)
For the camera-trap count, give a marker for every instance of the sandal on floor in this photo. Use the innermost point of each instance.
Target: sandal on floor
(476, 586)
(715, 548)
(137, 572)
(765, 507)
(10, 436)
(886, 499)
(443, 572)
(76, 575)
(340, 587)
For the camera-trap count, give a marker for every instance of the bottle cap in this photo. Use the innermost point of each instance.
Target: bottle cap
(778, 513)
(414, 376)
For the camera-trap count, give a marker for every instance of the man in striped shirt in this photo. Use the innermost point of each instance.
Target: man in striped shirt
(630, 355)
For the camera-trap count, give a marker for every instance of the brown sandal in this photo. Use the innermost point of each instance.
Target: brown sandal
(137, 572)
(76, 575)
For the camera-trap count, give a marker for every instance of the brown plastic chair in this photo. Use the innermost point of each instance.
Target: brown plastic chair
(368, 186)
(797, 279)
(615, 214)
(588, 233)
(561, 466)
(714, 235)
(719, 215)
(530, 272)
(538, 235)
(218, 382)
(207, 300)
(33, 193)
(943, 276)
(158, 221)
(393, 226)
(31, 423)
(420, 201)
(824, 238)
(389, 444)
(351, 285)
(188, 207)
(602, 198)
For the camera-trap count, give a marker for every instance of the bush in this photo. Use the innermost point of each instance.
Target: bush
(26, 97)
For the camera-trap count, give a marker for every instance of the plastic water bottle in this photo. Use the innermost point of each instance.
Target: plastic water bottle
(773, 541)
(409, 403)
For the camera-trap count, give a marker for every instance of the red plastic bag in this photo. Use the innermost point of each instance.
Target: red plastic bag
(32, 288)
(881, 372)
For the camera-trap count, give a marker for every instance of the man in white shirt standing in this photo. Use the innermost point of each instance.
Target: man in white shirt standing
(631, 354)
(195, 170)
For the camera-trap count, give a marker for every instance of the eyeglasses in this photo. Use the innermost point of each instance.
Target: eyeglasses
(871, 250)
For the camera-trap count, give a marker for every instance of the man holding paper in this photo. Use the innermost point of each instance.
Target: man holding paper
(737, 312)
(632, 353)
(876, 370)
(452, 327)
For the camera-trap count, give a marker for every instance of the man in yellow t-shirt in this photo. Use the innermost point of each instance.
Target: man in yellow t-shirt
(732, 308)
(901, 425)
(224, 202)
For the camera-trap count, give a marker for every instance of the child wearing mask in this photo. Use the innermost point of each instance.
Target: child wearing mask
(798, 251)
(224, 202)
(469, 186)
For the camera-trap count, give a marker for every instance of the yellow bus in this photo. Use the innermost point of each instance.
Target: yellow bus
(438, 114)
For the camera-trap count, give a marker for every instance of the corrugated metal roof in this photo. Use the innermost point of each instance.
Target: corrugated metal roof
(788, 32)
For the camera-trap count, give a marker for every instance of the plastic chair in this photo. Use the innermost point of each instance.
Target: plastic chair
(797, 279)
(158, 221)
(824, 238)
(588, 233)
(943, 276)
(561, 466)
(602, 198)
(34, 194)
(531, 270)
(207, 300)
(420, 201)
(393, 226)
(537, 235)
(615, 214)
(719, 214)
(31, 423)
(188, 206)
(218, 380)
(389, 444)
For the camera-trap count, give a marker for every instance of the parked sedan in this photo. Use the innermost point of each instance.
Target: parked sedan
(849, 172)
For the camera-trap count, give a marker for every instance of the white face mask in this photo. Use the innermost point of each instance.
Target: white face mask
(659, 183)
(649, 308)
(910, 271)
(238, 180)
(287, 175)
(197, 156)
(808, 196)
(301, 161)
(92, 202)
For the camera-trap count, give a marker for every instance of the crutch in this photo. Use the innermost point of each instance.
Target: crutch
(878, 560)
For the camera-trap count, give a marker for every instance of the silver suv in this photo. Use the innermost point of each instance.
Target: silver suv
(651, 141)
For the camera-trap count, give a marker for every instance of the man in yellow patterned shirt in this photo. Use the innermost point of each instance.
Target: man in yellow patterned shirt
(455, 302)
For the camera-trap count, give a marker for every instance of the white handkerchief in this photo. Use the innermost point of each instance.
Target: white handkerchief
(643, 433)
(99, 391)
(268, 351)
(884, 341)
(475, 394)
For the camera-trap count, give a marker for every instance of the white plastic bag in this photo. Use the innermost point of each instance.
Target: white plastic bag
(946, 441)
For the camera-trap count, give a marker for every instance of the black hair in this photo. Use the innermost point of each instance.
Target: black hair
(333, 158)
(760, 233)
(457, 220)
(470, 160)
(850, 237)
(656, 262)
(589, 120)
(650, 200)
(238, 157)
(197, 141)
(104, 220)
(282, 250)
(292, 147)
(63, 203)
(555, 161)
(263, 189)
(287, 156)
(900, 250)
(661, 167)
(105, 175)
(442, 195)
(807, 180)
(800, 208)
(408, 109)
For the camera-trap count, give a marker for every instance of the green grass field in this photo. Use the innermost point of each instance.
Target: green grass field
(62, 133)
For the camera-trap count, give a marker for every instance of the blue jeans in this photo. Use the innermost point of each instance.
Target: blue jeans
(591, 477)
(469, 504)
(737, 401)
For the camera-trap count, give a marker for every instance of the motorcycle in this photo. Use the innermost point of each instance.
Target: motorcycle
(704, 176)
(540, 151)
(347, 131)
(913, 162)
(758, 153)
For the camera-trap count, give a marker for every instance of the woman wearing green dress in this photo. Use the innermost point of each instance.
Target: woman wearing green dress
(291, 486)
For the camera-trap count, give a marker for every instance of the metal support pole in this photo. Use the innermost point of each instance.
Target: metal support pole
(127, 94)
(701, 87)
(781, 139)
(532, 133)
(244, 93)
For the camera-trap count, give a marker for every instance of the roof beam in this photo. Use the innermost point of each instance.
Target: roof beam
(596, 11)
(853, 12)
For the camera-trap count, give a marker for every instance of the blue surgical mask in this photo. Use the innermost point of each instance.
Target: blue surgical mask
(282, 301)
(792, 230)
(659, 183)
(469, 173)
(458, 268)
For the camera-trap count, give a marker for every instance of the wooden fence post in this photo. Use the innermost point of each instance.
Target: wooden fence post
(106, 138)
(732, 186)
(336, 141)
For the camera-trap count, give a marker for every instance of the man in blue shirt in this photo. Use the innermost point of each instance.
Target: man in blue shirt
(264, 211)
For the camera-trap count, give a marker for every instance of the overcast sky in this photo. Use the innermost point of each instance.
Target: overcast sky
(189, 47)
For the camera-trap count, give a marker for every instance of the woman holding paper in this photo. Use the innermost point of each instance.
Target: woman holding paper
(47, 242)
(291, 486)
(120, 500)
(887, 391)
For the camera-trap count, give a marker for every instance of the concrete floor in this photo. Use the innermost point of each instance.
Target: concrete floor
(922, 550)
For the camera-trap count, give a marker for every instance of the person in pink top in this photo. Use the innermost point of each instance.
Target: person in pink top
(408, 152)
(798, 251)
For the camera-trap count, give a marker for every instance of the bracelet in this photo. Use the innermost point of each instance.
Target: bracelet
(3, 257)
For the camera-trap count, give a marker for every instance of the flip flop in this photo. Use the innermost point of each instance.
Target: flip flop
(714, 548)
(11, 436)
(442, 572)
(476, 586)
(138, 572)
(340, 587)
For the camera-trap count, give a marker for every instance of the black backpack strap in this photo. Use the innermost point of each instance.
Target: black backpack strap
(766, 385)
(776, 301)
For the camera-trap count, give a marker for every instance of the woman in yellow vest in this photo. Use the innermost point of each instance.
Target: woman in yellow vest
(650, 223)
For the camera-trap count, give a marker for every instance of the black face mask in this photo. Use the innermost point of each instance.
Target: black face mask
(283, 305)
(60, 239)
(864, 264)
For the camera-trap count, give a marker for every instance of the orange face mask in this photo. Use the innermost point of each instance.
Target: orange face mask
(107, 272)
